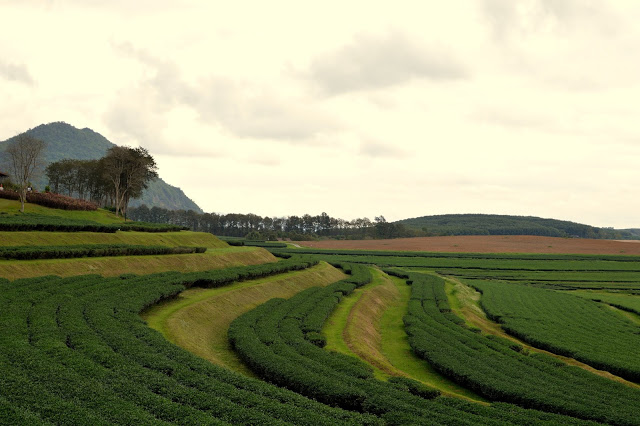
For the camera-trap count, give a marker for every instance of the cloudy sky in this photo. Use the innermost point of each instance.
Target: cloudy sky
(353, 108)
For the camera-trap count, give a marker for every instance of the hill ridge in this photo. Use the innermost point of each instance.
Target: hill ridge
(497, 224)
(66, 141)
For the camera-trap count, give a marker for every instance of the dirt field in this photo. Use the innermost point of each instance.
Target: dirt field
(487, 244)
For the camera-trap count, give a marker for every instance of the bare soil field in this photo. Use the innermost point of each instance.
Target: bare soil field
(486, 244)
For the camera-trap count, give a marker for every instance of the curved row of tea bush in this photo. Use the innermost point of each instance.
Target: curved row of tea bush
(565, 324)
(281, 341)
(500, 370)
(90, 250)
(37, 222)
(75, 351)
(625, 302)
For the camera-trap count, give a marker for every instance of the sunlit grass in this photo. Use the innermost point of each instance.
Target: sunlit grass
(199, 318)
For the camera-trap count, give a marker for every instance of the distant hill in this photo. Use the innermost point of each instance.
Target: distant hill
(65, 141)
(486, 224)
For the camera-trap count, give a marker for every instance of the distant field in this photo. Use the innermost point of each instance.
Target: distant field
(486, 244)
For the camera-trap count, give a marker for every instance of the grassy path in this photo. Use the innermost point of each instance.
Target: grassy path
(199, 318)
(368, 324)
(113, 266)
(464, 302)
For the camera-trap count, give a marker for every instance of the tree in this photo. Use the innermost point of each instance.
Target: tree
(128, 171)
(25, 160)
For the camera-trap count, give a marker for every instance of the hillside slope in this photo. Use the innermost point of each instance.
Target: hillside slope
(65, 141)
(487, 224)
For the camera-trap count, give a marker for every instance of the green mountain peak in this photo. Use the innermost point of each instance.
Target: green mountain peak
(66, 141)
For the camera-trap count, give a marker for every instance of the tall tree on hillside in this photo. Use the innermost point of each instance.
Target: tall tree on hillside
(128, 171)
(25, 158)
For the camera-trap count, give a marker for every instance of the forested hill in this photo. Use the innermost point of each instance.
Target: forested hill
(486, 224)
(65, 141)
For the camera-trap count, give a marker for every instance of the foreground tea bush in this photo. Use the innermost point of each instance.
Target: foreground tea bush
(74, 351)
(280, 341)
(499, 370)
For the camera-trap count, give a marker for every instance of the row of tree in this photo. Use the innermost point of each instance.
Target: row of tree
(271, 228)
(122, 174)
(113, 180)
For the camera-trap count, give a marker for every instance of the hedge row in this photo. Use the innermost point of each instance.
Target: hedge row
(502, 371)
(51, 200)
(252, 243)
(355, 254)
(565, 324)
(280, 341)
(74, 351)
(37, 222)
(90, 250)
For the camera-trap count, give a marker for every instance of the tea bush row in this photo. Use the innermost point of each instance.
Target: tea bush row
(501, 371)
(565, 324)
(37, 222)
(90, 250)
(281, 342)
(75, 351)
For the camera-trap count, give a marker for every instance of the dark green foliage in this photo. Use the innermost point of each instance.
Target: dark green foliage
(487, 224)
(565, 324)
(74, 351)
(90, 250)
(253, 243)
(36, 222)
(498, 371)
(415, 387)
(558, 271)
(278, 340)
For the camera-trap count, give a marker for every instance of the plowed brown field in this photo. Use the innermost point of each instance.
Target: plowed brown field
(486, 244)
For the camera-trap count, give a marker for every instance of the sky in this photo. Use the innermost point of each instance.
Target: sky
(357, 109)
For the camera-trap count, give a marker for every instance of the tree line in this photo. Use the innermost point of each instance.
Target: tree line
(267, 228)
(111, 181)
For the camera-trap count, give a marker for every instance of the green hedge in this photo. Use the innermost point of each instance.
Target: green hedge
(279, 339)
(565, 324)
(74, 351)
(501, 371)
(37, 222)
(90, 250)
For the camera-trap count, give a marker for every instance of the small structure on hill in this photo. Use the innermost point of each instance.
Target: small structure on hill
(3, 176)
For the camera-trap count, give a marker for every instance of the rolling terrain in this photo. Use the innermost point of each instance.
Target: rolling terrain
(286, 335)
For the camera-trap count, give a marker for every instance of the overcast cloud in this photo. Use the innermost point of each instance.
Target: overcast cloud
(404, 108)
(16, 72)
(381, 61)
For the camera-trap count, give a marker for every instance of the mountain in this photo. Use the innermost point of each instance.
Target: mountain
(65, 141)
(487, 224)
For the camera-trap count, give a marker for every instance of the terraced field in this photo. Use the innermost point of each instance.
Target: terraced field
(377, 338)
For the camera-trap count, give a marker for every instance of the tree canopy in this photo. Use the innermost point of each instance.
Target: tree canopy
(24, 158)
